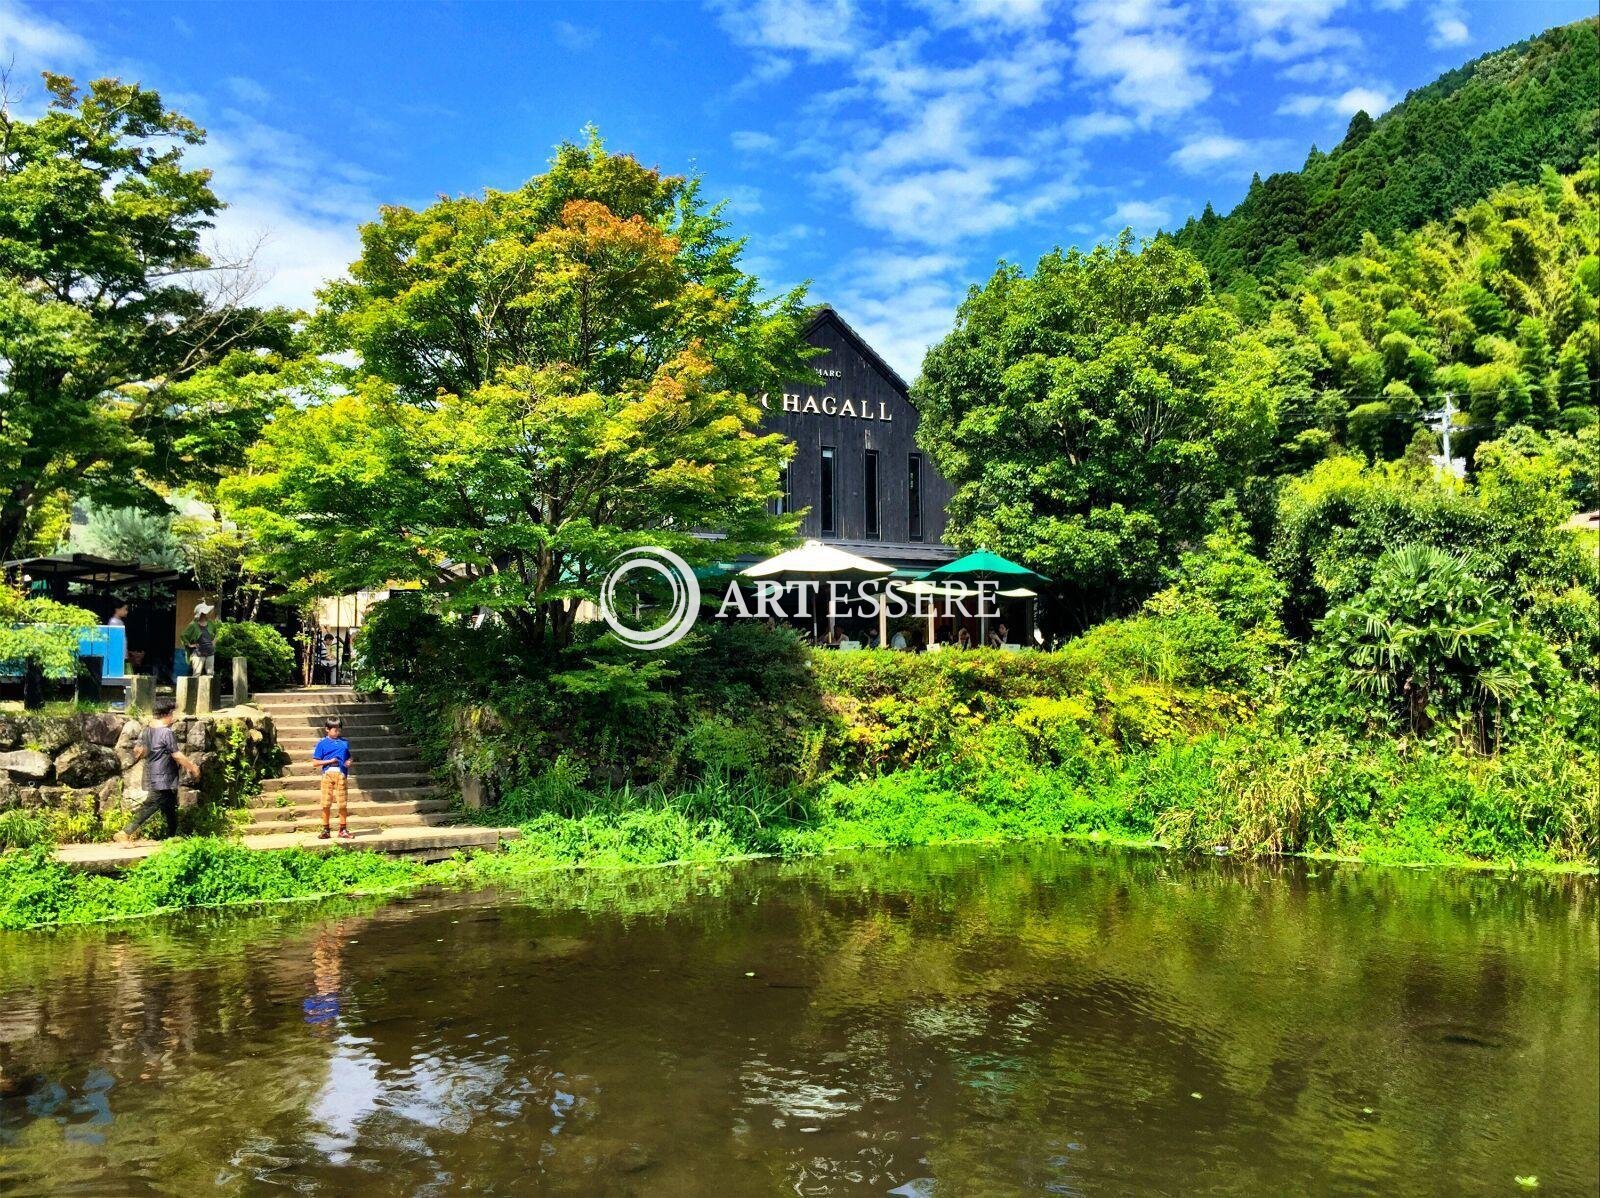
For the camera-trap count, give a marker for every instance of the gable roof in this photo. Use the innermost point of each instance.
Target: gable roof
(824, 313)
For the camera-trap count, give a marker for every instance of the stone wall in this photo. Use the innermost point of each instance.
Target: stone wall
(79, 768)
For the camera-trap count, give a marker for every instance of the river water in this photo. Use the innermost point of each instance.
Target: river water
(970, 1021)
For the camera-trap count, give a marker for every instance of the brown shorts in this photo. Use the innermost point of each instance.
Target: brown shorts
(335, 788)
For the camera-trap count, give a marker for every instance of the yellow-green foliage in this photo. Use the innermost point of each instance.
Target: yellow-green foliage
(893, 710)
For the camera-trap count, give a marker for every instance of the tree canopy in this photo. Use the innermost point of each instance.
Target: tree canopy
(1088, 415)
(1499, 119)
(129, 359)
(542, 377)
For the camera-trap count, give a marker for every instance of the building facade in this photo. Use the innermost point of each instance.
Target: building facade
(857, 470)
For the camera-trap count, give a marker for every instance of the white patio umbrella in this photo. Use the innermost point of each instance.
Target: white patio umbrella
(814, 561)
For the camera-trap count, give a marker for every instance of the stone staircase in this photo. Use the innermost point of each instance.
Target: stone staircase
(389, 785)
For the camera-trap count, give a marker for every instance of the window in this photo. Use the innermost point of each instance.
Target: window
(825, 500)
(782, 505)
(871, 489)
(914, 495)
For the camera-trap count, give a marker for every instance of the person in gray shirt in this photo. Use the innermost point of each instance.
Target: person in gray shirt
(158, 749)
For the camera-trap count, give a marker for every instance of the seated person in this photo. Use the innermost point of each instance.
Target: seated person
(997, 638)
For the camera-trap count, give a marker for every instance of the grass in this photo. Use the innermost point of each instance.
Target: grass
(1243, 793)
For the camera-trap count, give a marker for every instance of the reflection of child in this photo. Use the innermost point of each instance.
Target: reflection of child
(322, 1008)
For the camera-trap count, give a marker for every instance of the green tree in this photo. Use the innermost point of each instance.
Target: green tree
(1089, 414)
(130, 534)
(1471, 308)
(125, 348)
(1336, 521)
(39, 637)
(546, 376)
(1506, 117)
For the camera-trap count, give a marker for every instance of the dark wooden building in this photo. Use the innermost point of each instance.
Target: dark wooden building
(857, 468)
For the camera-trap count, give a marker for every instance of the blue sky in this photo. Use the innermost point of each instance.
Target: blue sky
(888, 154)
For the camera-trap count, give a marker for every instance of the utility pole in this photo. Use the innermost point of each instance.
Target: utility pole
(1446, 418)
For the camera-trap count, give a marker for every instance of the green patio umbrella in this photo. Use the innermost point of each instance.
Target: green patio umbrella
(984, 566)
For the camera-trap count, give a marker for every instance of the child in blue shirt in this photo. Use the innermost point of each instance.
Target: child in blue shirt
(332, 753)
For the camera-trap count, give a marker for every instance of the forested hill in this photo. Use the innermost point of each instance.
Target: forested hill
(1496, 120)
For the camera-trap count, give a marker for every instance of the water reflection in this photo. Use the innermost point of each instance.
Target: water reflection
(1056, 1021)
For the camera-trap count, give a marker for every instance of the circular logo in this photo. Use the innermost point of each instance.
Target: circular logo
(683, 586)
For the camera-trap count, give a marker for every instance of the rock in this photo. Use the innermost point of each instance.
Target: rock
(26, 765)
(51, 734)
(10, 733)
(127, 742)
(198, 736)
(30, 797)
(10, 796)
(103, 728)
(85, 765)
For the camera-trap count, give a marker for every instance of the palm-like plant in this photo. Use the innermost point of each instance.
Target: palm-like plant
(1427, 646)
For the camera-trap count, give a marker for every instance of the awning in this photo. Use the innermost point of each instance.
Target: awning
(984, 566)
(88, 567)
(815, 560)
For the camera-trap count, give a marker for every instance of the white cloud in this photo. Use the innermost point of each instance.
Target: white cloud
(1144, 217)
(1316, 70)
(1358, 99)
(1146, 51)
(819, 29)
(938, 156)
(752, 142)
(989, 15)
(1208, 150)
(901, 303)
(1449, 26)
(28, 38)
(574, 37)
(744, 200)
(1099, 124)
(1283, 30)
(295, 209)
(248, 91)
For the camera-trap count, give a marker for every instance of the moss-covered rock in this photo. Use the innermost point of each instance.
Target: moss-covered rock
(85, 764)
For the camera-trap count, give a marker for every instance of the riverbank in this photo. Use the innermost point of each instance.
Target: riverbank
(36, 891)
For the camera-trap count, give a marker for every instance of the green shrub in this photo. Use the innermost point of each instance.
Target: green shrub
(22, 830)
(1427, 647)
(269, 653)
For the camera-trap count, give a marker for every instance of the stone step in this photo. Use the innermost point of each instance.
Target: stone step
(297, 742)
(317, 710)
(356, 823)
(362, 807)
(314, 723)
(376, 794)
(311, 694)
(366, 780)
(388, 760)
